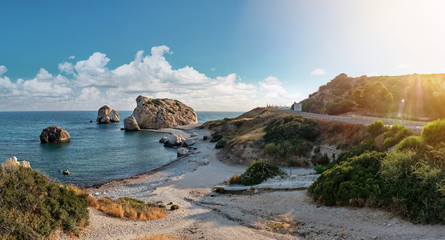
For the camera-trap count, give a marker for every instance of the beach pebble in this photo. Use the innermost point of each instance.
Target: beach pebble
(182, 152)
(206, 162)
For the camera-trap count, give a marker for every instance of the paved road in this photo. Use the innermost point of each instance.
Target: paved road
(358, 119)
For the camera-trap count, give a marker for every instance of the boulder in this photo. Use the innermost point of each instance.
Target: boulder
(106, 115)
(163, 139)
(181, 152)
(162, 113)
(54, 134)
(130, 124)
(173, 140)
(189, 142)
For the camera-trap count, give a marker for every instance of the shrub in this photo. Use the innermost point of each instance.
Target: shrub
(32, 207)
(376, 128)
(128, 208)
(354, 178)
(414, 143)
(395, 134)
(220, 144)
(259, 171)
(216, 138)
(413, 186)
(434, 133)
(319, 169)
(174, 207)
(339, 106)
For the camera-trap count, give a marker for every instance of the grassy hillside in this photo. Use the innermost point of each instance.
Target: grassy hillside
(283, 138)
(415, 96)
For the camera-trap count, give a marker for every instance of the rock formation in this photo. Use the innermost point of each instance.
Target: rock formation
(130, 124)
(162, 113)
(181, 152)
(12, 164)
(54, 134)
(172, 140)
(106, 115)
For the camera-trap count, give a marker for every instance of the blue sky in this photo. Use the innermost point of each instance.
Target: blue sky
(79, 55)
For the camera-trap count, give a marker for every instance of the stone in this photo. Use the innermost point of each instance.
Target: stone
(189, 142)
(193, 134)
(66, 172)
(173, 140)
(205, 138)
(181, 152)
(162, 113)
(106, 115)
(130, 124)
(54, 134)
(163, 139)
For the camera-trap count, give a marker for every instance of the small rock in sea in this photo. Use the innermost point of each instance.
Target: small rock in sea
(66, 172)
(91, 121)
(60, 170)
(54, 134)
(193, 134)
(293, 176)
(122, 129)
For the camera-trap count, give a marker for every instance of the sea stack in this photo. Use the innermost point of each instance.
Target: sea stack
(130, 124)
(106, 115)
(162, 113)
(54, 134)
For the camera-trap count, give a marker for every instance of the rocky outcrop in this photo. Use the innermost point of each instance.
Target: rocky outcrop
(172, 140)
(162, 113)
(130, 124)
(12, 164)
(106, 115)
(54, 134)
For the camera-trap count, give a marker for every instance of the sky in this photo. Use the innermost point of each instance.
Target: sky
(222, 55)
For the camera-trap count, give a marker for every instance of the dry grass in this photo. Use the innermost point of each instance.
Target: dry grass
(233, 179)
(339, 132)
(157, 237)
(128, 208)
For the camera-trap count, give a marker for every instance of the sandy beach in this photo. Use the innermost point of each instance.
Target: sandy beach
(263, 214)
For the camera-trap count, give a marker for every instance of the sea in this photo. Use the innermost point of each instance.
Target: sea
(97, 153)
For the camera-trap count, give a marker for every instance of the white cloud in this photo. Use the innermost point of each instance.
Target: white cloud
(212, 69)
(88, 84)
(3, 69)
(66, 67)
(71, 57)
(318, 72)
(405, 66)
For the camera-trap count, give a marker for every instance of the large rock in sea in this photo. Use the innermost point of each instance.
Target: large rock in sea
(106, 115)
(130, 124)
(54, 134)
(162, 113)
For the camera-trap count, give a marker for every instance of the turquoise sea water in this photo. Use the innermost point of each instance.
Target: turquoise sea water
(96, 153)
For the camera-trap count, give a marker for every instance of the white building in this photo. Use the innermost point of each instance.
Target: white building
(296, 107)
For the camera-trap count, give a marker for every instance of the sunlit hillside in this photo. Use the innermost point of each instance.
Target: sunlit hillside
(415, 96)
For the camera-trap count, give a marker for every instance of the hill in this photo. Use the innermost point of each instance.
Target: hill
(415, 96)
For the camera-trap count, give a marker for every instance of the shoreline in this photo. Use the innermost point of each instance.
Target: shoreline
(176, 130)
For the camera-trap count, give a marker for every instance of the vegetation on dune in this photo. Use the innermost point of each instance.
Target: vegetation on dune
(157, 237)
(32, 207)
(128, 208)
(259, 171)
(220, 144)
(410, 180)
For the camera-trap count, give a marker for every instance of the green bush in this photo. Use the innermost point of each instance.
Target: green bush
(31, 207)
(220, 144)
(434, 133)
(376, 128)
(352, 179)
(339, 106)
(395, 134)
(414, 143)
(414, 186)
(259, 171)
(216, 138)
(319, 169)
